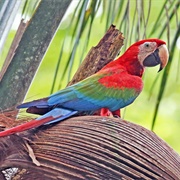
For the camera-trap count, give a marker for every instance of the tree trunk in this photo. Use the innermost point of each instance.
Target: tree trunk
(30, 51)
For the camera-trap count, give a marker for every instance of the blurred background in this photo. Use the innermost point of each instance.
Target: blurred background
(83, 25)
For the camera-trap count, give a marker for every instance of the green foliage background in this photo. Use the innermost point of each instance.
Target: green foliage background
(85, 25)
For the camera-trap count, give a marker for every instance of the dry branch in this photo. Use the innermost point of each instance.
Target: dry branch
(13, 47)
(98, 56)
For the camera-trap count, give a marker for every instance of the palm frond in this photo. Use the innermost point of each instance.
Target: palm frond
(8, 11)
(165, 76)
(28, 8)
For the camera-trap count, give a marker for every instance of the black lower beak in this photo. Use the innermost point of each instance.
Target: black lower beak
(153, 59)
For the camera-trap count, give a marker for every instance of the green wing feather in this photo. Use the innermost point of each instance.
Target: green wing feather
(90, 94)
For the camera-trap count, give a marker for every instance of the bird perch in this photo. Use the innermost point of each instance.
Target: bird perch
(90, 147)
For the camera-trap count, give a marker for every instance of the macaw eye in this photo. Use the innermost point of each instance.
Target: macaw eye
(146, 45)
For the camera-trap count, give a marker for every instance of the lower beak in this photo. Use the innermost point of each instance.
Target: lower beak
(159, 56)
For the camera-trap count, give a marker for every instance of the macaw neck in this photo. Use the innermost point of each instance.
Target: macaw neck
(131, 64)
(127, 62)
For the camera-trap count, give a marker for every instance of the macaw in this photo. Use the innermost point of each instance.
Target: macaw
(115, 86)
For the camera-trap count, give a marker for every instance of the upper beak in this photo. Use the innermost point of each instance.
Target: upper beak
(159, 56)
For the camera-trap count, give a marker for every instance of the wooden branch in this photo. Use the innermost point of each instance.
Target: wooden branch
(91, 147)
(13, 47)
(106, 51)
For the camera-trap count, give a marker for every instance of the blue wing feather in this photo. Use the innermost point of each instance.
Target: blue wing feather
(58, 114)
(87, 95)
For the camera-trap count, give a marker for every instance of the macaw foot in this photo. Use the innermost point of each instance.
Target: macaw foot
(117, 113)
(107, 112)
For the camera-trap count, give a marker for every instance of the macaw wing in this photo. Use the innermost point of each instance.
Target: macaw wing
(99, 91)
(109, 90)
(66, 98)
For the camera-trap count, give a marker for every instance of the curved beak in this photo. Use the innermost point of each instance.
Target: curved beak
(159, 56)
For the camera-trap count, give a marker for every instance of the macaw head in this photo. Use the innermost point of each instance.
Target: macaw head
(150, 52)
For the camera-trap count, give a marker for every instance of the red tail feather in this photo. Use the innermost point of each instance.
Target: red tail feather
(25, 126)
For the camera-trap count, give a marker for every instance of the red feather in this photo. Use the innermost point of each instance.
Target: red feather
(26, 126)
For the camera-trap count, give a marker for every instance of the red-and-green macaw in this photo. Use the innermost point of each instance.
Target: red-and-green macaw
(115, 86)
